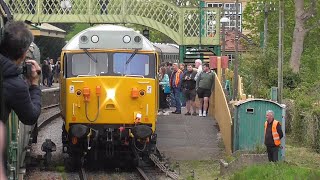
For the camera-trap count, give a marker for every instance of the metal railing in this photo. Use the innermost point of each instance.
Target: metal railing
(186, 26)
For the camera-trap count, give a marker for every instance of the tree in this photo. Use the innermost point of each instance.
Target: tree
(303, 17)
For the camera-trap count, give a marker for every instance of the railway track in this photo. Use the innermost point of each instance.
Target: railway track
(83, 174)
(156, 170)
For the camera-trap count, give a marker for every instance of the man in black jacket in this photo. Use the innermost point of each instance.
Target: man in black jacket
(272, 137)
(189, 90)
(23, 96)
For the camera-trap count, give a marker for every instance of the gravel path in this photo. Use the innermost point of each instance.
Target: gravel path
(51, 131)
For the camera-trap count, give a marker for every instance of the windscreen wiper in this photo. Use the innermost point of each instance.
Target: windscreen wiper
(132, 55)
(90, 55)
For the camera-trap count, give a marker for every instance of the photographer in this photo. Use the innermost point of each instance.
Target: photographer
(23, 96)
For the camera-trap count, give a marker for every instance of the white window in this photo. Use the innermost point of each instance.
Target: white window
(230, 12)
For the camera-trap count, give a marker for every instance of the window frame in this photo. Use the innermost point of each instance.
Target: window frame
(68, 66)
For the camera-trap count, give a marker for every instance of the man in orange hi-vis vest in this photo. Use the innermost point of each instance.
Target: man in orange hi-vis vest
(272, 136)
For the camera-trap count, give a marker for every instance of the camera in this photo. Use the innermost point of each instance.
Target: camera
(27, 70)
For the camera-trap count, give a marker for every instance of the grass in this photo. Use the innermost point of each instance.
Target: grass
(276, 171)
(190, 170)
(302, 156)
(301, 163)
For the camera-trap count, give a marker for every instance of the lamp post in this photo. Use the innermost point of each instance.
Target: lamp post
(236, 60)
(223, 21)
(280, 52)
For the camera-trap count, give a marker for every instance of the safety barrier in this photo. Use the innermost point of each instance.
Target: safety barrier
(50, 97)
(219, 110)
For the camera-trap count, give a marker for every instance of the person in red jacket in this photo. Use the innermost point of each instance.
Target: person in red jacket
(272, 136)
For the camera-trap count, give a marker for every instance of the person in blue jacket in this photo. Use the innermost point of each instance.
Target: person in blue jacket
(164, 88)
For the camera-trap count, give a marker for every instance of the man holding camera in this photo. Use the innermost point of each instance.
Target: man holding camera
(22, 95)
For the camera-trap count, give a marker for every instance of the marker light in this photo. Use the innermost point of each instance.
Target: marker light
(84, 39)
(137, 39)
(98, 90)
(111, 93)
(86, 94)
(134, 93)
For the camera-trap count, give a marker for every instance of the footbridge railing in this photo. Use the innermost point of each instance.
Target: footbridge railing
(186, 26)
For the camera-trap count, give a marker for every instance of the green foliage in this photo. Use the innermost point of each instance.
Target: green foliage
(155, 35)
(260, 71)
(76, 28)
(276, 171)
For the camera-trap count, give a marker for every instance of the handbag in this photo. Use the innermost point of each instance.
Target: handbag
(167, 89)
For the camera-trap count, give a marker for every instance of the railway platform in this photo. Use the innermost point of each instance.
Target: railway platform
(182, 137)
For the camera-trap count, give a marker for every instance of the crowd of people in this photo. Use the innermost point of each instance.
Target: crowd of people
(179, 85)
(50, 72)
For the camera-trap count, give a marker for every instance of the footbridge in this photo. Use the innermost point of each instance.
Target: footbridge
(186, 26)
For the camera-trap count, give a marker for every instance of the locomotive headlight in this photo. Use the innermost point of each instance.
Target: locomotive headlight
(111, 94)
(126, 39)
(94, 38)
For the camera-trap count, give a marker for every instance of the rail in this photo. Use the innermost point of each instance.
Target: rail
(83, 174)
(142, 173)
(162, 167)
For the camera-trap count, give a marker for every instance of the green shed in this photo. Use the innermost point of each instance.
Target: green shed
(248, 125)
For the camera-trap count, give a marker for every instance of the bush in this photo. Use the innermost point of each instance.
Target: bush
(305, 116)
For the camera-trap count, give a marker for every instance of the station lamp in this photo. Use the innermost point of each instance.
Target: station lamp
(146, 33)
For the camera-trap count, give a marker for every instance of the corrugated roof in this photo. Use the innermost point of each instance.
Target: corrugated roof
(239, 103)
(167, 48)
(49, 27)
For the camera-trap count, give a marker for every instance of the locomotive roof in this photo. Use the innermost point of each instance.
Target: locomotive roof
(167, 48)
(73, 44)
